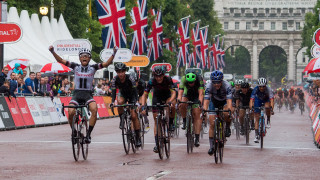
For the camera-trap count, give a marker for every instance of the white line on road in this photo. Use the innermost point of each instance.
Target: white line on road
(159, 175)
(172, 144)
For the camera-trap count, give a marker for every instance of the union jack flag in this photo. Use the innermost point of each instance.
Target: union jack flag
(183, 31)
(166, 44)
(222, 52)
(139, 16)
(204, 47)
(112, 15)
(155, 38)
(214, 55)
(195, 56)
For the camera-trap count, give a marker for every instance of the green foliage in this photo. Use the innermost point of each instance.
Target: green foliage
(239, 63)
(273, 63)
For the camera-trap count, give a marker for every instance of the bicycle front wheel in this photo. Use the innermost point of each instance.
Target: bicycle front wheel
(160, 133)
(246, 128)
(125, 131)
(75, 138)
(142, 128)
(84, 131)
(216, 142)
(166, 137)
(221, 141)
(261, 132)
(237, 126)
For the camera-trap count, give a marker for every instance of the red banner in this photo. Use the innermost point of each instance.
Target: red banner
(10, 32)
(26, 114)
(15, 112)
(102, 109)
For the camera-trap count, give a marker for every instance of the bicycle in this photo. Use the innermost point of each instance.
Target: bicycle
(219, 138)
(142, 128)
(247, 121)
(79, 131)
(262, 124)
(189, 125)
(204, 126)
(128, 133)
(236, 124)
(286, 102)
(177, 122)
(301, 106)
(163, 133)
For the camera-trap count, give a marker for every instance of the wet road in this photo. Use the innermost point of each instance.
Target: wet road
(45, 153)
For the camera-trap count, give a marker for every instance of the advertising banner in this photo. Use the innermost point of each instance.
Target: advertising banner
(123, 55)
(10, 32)
(44, 110)
(138, 61)
(58, 106)
(35, 111)
(5, 114)
(52, 110)
(15, 112)
(102, 110)
(1, 124)
(25, 112)
(107, 101)
(168, 66)
(71, 46)
(65, 101)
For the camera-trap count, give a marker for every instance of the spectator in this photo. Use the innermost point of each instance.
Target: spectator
(20, 84)
(24, 75)
(17, 69)
(37, 81)
(29, 84)
(4, 89)
(56, 85)
(107, 82)
(99, 89)
(13, 84)
(65, 87)
(43, 91)
(3, 75)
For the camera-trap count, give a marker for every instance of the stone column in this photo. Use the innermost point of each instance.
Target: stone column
(255, 62)
(291, 63)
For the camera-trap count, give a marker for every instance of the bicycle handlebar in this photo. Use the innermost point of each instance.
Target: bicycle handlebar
(76, 107)
(122, 105)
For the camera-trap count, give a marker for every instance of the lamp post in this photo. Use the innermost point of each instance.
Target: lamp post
(51, 10)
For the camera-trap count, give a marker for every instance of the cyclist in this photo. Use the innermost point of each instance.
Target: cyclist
(217, 95)
(141, 86)
(128, 94)
(300, 96)
(291, 96)
(191, 89)
(280, 96)
(261, 94)
(243, 99)
(83, 78)
(163, 93)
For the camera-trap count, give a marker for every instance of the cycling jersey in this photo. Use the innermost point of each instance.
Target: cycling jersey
(83, 75)
(127, 89)
(280, 93)
(160, 89)
(191, 92)
(291, 92)
(243, 98)
(286, 93)
(222, 94)
(141, 87)
(263, 96)
(301, 96)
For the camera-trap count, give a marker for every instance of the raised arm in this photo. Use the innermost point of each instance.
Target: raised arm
(106, 64)
(56, 56)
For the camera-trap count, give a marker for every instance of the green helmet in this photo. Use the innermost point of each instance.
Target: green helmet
(231, 83)
(190, 77)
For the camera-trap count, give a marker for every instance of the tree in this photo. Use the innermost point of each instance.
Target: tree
(239, 63)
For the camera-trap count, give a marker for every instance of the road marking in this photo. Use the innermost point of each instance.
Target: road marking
(172, 144)
(159, 175)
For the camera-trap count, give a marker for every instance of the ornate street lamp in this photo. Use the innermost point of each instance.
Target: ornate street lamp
(44, 10)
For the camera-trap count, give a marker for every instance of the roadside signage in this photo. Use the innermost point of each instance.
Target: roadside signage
(71, 46)
(198, 71)
(10, 32)
(105, 54)
(315, 51)
(169, 66)
(207, 75)
(111, 68)
(123, 55)
(316, 37)
(138, 61)
(227, 76)
(248, 76)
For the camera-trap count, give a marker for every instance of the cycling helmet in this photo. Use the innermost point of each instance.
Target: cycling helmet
(239, 82)
(134, 76)
(158, 70)
(245, 85)
(120, 66)
(85, 51)
(262, 82)
(190, 77)
(216, 75)
(231, 83)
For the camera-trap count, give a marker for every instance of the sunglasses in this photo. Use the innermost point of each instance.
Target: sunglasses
(216, 82)
(85, 55)
(262, 86)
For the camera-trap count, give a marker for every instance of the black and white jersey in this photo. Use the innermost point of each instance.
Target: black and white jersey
(83, 75)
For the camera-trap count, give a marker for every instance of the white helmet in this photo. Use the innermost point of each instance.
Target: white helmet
(85, 51)
(239, 82)
(262, 82)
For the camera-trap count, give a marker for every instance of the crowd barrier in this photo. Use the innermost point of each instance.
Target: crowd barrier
(34, 111)
(314, 113)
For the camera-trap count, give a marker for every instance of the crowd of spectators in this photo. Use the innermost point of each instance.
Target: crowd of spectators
(39, 84)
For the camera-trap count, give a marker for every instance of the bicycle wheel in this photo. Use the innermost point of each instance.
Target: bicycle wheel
(237, 126)
(75, 138)
(166, 137)
(142, 127)
(84, 130)
(125, 134)
(177, 125)
(133, 140)
(189, 135)
(216, 142)
(221, 142)
(160, 137)
(246, 128)
(261, 132)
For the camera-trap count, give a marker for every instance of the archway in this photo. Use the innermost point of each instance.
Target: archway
(237, 60)
(273, 63)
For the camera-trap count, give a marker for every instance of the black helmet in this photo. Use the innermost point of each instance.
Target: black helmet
(245, 85)
(120, 66)
(158, 70)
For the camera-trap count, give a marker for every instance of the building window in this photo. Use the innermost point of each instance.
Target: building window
(297, 25)
(273, 25)
(248, 25)
(226, 25)
(261, 25)
(284, 26)
(236, 26)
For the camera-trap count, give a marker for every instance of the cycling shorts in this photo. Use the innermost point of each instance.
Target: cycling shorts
(127, 98)
(193, 99)
(159, 99)
(216, 104)
(258, 103)
(82, 97)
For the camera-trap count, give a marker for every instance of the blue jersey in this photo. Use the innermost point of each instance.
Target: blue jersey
(222, 94)
(263, 96)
